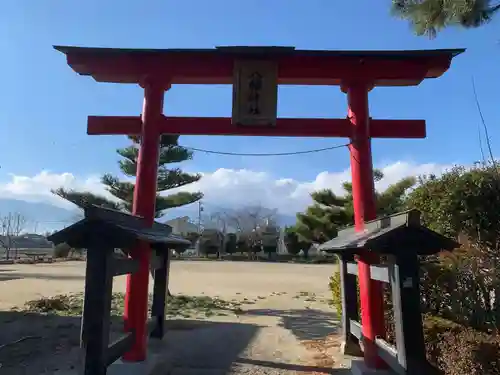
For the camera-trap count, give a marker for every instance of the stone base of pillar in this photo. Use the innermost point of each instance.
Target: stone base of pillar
(358, 367)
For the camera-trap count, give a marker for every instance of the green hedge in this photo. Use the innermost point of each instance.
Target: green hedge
(336, 288)
(458, 350)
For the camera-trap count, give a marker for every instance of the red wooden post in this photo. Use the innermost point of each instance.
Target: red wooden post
(363, 191)
(136, 298)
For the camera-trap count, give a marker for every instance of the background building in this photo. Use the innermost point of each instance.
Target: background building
(182, 225)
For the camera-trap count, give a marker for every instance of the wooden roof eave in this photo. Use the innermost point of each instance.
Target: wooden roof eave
(183, 66)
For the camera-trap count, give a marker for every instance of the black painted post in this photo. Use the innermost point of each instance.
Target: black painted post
(410, 343)
(96, 310)
(350, 344)
(160, 289)
(169, 255)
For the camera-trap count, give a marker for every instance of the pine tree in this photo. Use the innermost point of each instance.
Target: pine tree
(329, 212)
(168, 178)
(81, 199)
(293, 244)
(390, 201)
(428, 17)
(321, 221)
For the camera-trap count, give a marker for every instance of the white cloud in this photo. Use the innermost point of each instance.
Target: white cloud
(225, 188)
(38, 188)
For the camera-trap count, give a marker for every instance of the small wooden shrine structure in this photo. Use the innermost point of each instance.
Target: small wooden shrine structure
(101, 233)
(400, 239)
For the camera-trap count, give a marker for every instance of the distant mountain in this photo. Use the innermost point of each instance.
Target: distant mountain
(192, 212)
(39, 216)
(43, 217)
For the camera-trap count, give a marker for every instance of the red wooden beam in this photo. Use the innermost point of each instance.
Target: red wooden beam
(387, 68)
(113, 125)
(219, 69)
(285, 127)
(397, 128)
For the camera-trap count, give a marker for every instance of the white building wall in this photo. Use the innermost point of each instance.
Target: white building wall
(182, 225)
(281, 242)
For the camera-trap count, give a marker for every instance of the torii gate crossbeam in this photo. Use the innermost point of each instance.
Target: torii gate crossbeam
(285, 127)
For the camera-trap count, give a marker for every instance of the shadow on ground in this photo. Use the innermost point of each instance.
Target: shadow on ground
(307, 324)
(205, 345)
(6, 275)
(291, 367)
(31, 344)
(35, 343)
(218, 348)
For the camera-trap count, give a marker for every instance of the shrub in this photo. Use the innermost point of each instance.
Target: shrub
(458, 350)
(435, 331)
(231, 243)
(463, 286)
(456, 286)
(470, 352)
(336, 290)
(192, 236)
(335, 287)
(293, 243)
(62, 250)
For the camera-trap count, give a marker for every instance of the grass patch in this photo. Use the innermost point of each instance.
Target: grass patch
(312, 297)
(278, 293)
(308, 296)
(177, 306)
(189, 306)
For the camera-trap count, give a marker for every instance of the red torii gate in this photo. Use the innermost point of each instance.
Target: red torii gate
(355, 72)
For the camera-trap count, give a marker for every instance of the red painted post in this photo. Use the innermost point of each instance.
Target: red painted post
(136, 298)
(363, 191)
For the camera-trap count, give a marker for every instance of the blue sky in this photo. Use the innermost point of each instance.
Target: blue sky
(45, 104)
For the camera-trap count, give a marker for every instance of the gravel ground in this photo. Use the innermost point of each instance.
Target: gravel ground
(286, 326)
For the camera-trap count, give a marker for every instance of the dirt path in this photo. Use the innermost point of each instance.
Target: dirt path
(285, 315)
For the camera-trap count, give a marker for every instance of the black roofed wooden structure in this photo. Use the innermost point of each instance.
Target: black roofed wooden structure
(102, 231)
(401, 239)
(391, 235)
(117, 229)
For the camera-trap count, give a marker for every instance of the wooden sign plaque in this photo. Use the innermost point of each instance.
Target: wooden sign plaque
(255, 93)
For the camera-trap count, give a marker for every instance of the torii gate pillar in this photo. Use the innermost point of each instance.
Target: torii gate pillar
(136, 297)
(363, 193)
